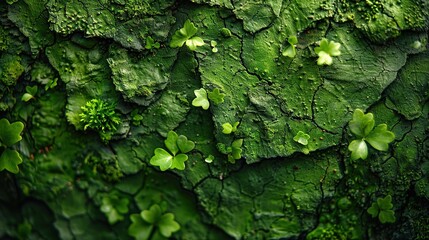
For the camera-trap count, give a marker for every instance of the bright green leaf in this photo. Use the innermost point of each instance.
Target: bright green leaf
(27, 97)
(184, 144)
(201, 99)
(167, 225)
(359, 149)
(152, 215)
(194, 42)
(326, 50)
(385, 203)
(209, 159)
(183, 34)
(301, 138)
(216, 96)
(380, 137)
(361, 124)
(9, 160)
(292, 40)
(227, 128)
(10, 133)
(171, 142)
(179, 161)
(290, 51)
(139, 229)
(162, 158)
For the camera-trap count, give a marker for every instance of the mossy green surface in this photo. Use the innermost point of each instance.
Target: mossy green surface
(77, 51)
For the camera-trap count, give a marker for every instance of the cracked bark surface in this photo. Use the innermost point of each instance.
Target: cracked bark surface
(280, 188)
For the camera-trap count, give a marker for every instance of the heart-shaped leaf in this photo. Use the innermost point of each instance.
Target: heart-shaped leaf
(10, 133)
(359, 149)
(171, 142)
(26, 97)
(152, 215)
(139, 229)
(10, 160)
(167, 225)
(361, 124)
(179, 161)
(380, 137)
(162, 158)
(387, 216)
(184, 144)
(216, 96)
(194, 42)
(201, 99)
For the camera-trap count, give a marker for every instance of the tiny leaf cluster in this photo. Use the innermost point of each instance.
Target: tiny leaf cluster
(173, 159)
(202, 98)
(290, 51)
(233, 151)
(383, 209)
(186, 35)
(362, 125)
(114, 207)
(154, 219)
(326, 50)
(10, 133)
(100, 116)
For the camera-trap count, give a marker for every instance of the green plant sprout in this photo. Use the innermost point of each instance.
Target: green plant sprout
(362, 125)
(100, 116)
(150, 43)
(185, 35)
(383, 209)
(153, 224)
(10, 133)
(170, 160)
(114, 207)
(326, 50)
(228, 128)
(214, 44)
(31, 92)
(301, 138)
(290, 51)
(136, 118)
(209, 159)
(226, 32)
(202, 98)
(233, 151)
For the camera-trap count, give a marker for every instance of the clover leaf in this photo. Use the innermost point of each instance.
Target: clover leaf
(209, 159)
(326, 50)
(201, 99)
(184, 35)
(143, 224)
(362, 125)
(291, 50)
(216, 96)
(9, 160)
(228, 128)
(10, 133)
(383, 209)
(184, 144)
(114, 208)
(301, 138)
(170, 160)
(358, 149)
(380, 137)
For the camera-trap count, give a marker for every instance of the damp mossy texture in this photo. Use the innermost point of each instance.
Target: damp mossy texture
(214, 119)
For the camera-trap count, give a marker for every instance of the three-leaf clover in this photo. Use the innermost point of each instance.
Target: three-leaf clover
(31, 92)
(228, 128)
(10, 133)
(362, 125)
(114, 207)
(326, 50)
(170, 160)
(301, 138)
(291, 50)
(383, 209)
(143, 224)
(185, 35)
